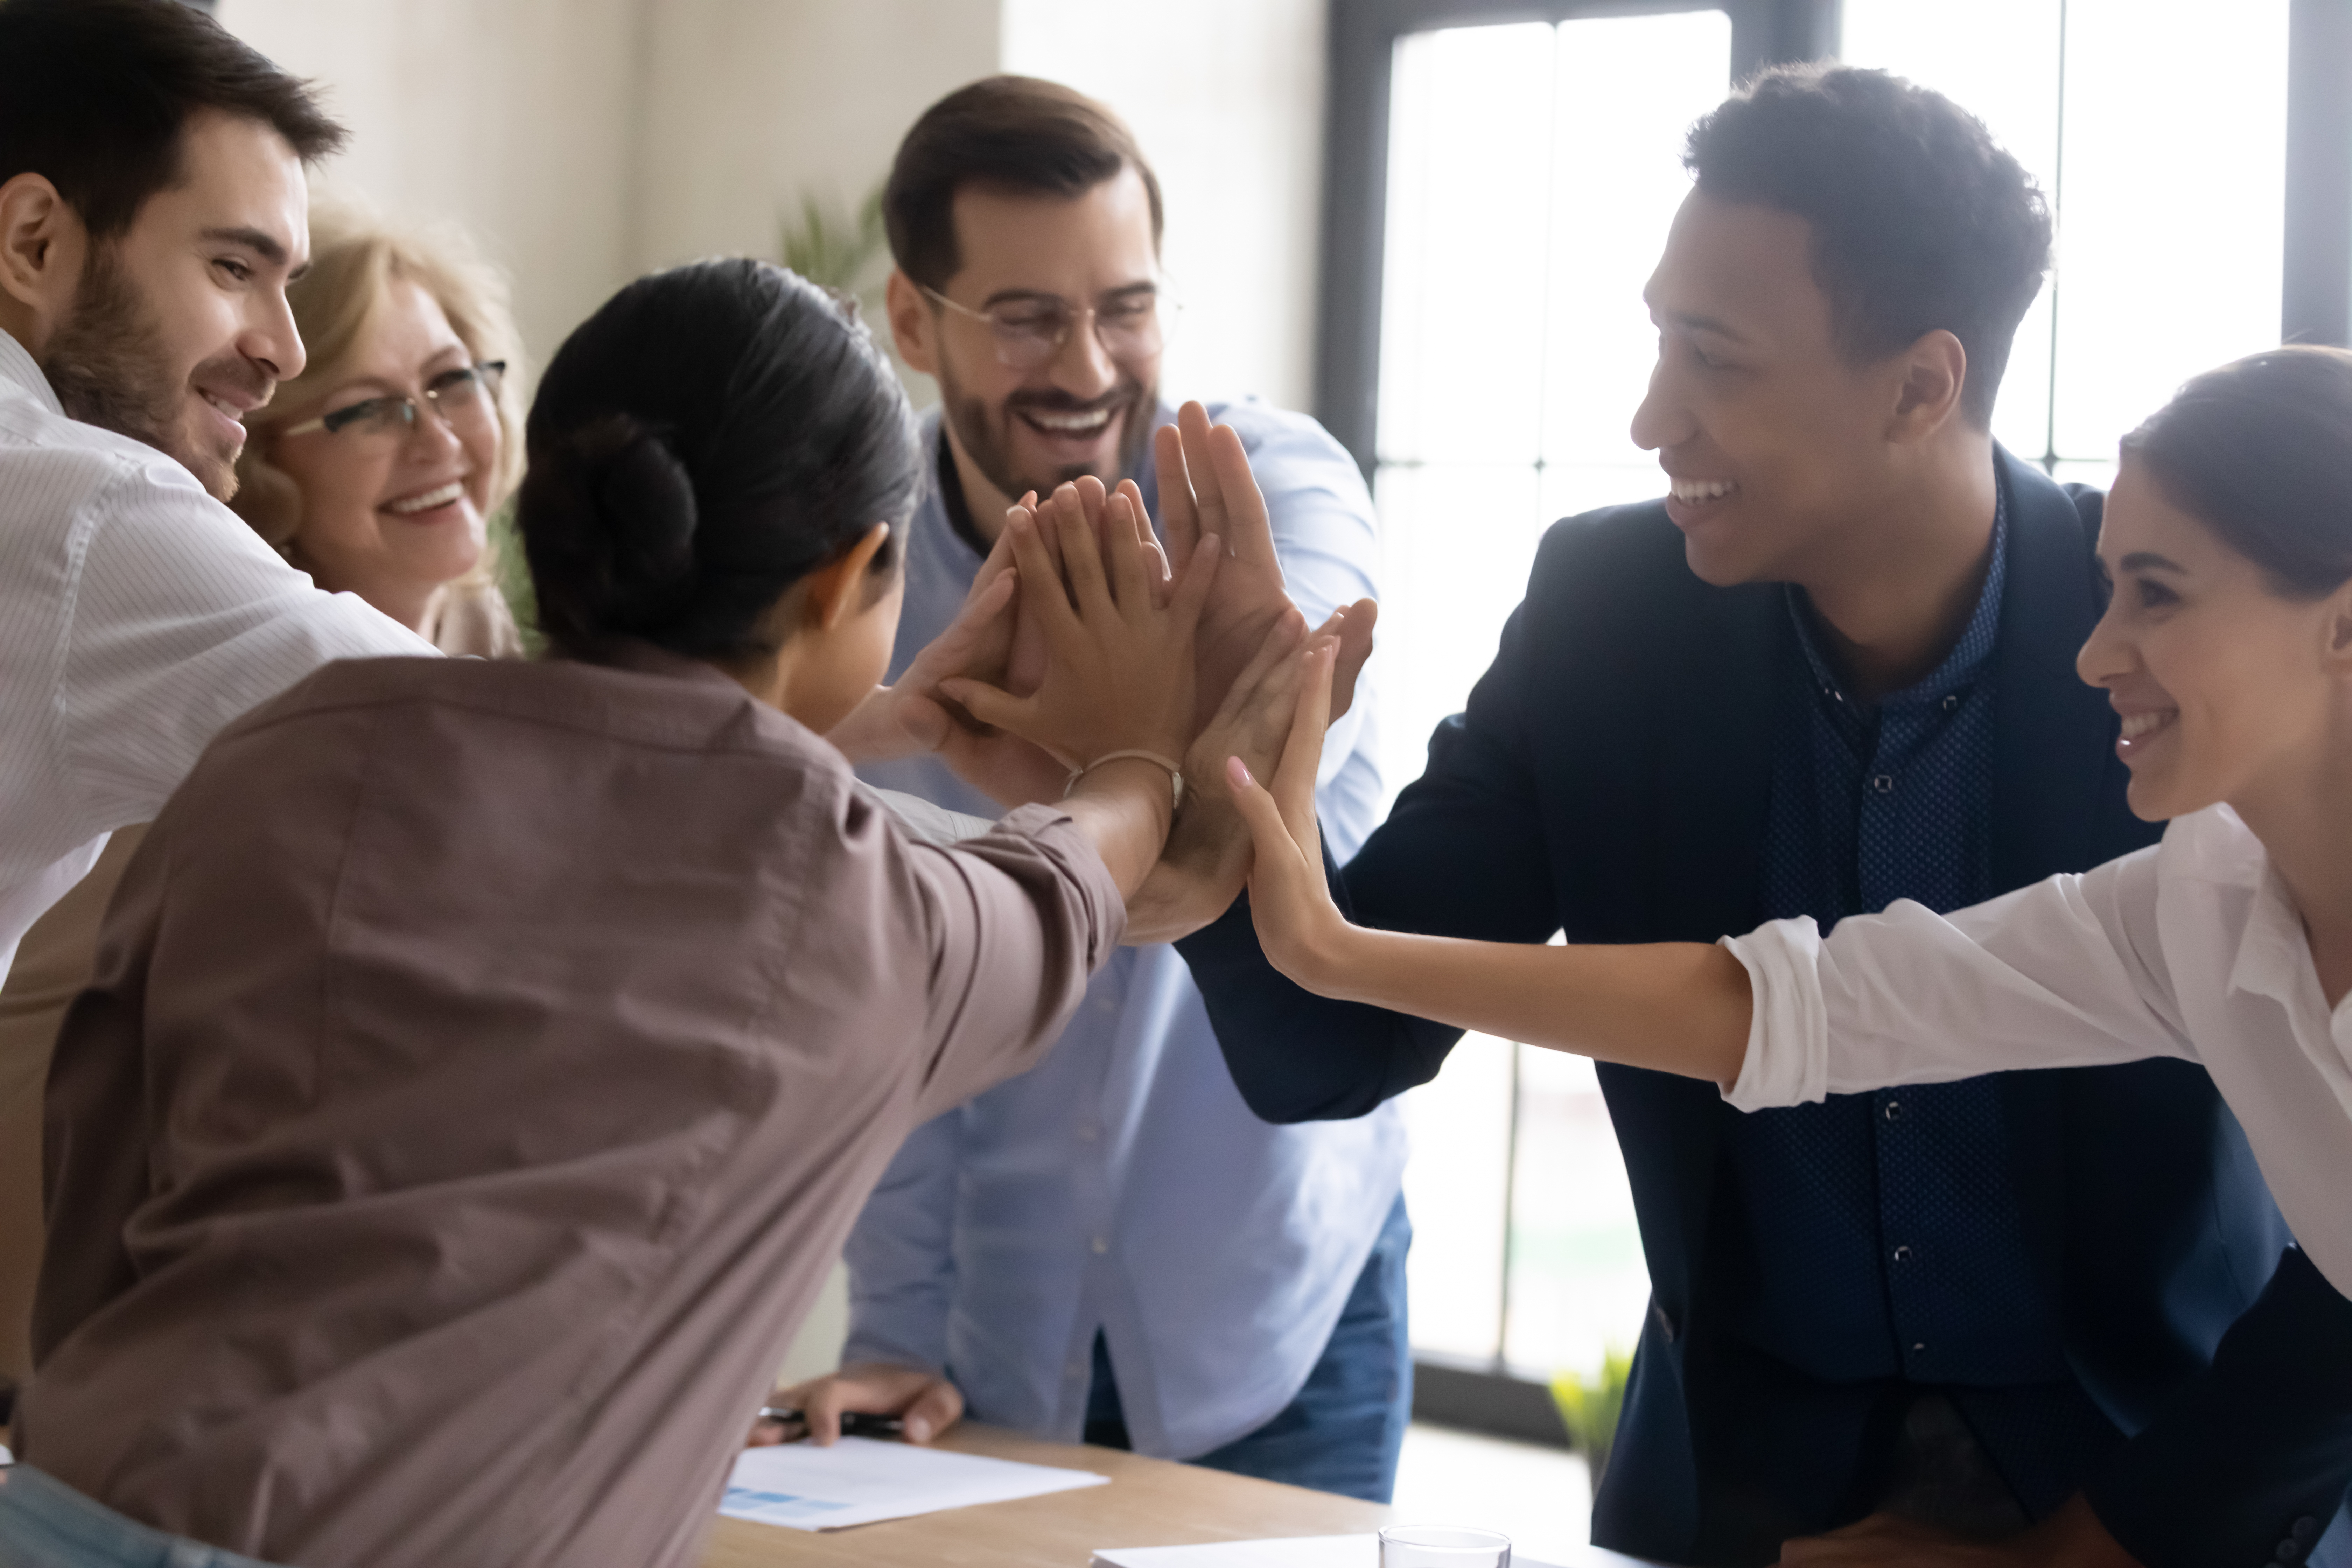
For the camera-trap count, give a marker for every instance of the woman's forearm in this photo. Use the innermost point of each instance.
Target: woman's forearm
(1677, 1006)
(1125, 809)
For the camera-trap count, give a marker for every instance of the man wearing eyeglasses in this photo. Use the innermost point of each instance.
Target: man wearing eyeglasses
(1114, 1248)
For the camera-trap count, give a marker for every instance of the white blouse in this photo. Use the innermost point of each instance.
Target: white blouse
(2191, 948)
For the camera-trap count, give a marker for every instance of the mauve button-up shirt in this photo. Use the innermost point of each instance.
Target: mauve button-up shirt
(484, 1065)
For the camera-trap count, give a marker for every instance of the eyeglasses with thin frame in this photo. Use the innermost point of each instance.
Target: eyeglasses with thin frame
(1030, 332)
(462, 396)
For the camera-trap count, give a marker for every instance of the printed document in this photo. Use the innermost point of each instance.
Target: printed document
(859, 1480)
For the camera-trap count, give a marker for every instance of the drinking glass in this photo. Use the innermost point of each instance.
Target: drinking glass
(1442, 1546)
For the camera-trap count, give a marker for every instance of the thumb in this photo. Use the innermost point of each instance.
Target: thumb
(924, 721)
(939, 1407)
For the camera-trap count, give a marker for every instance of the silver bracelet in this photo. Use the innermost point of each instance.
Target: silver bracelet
(1175, 774)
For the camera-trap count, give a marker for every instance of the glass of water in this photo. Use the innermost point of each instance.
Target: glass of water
(1442, 1546)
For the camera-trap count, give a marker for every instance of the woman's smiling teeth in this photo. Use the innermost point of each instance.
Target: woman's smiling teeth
(1690, 492)
(2138, 726)
(431, 498)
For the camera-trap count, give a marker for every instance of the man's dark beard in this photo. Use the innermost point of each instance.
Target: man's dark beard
(987, 444)
(106, 365)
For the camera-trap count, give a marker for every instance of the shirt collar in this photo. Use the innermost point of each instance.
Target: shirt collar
(1970, 654)
(17, 365)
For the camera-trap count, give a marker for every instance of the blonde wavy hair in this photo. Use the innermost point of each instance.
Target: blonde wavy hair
(355, 255)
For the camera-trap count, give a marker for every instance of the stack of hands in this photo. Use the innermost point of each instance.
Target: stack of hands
(1083, 637)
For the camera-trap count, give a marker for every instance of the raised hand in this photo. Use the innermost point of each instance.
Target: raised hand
(1208, 856)
(1297, 924)
(1120, 674)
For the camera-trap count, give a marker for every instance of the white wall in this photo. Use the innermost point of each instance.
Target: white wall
(585, 141)
(1226, 97)
(753, 102)
(517, 118)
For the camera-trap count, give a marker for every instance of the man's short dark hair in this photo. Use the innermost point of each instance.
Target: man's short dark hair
(1920, 219)
(1012, 133)
(95, 95)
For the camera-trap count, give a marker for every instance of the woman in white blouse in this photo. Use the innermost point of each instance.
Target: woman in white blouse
(2227, 651)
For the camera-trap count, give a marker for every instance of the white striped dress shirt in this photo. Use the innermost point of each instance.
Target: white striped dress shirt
(138, 617)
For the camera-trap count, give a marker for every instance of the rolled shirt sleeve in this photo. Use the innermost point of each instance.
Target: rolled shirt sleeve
(2066, 973)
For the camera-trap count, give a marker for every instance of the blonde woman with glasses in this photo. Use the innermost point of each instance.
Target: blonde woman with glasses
(377, 470)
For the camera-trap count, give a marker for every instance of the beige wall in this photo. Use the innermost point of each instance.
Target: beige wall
(518, 118)
(587, 140)
(1227, 98)
(751, 102)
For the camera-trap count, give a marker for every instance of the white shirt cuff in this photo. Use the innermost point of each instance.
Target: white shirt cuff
(1788, 1032)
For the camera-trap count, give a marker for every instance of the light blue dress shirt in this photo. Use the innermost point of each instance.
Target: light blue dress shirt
(1123, 1186)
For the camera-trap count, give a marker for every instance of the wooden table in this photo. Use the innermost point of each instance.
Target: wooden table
(1150, 1503)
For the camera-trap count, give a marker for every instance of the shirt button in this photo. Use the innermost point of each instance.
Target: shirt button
(1950, 703)
(1076, 1369)
(1884, 784)
(1903, 1255)
(1101, 1244)
(1918, 1347)
(1894, 1110)
(2287, 1550)
(1089, 1132)
(2305, 1529)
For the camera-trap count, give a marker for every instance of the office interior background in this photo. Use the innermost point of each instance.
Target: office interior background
(1428, 222)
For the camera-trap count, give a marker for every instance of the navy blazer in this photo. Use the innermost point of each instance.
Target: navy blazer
(1608, 779)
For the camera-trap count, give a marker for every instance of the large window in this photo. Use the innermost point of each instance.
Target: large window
(2158, 130)
(1532, 170)
(1499, 194)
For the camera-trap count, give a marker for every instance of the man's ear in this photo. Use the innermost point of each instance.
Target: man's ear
(42, 247)
(836, 590)
(912, 323)
(1934, 371)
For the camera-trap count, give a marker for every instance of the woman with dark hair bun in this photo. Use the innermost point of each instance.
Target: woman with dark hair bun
(2226, 651)
(514, 1043)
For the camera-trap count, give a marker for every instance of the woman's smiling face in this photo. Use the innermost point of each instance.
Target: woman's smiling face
(2226, 687)
(392, 520)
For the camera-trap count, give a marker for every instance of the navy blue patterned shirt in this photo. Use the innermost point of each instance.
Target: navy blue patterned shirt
(1886, 1243)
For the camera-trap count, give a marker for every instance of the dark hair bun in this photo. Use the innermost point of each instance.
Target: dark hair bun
(709, 437)
(624, 548)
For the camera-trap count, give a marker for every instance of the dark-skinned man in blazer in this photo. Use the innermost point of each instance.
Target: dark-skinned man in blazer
(1986, 1323)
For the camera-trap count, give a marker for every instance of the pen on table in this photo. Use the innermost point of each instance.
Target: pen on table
(854, 1422)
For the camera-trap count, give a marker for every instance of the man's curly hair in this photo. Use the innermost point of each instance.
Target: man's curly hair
(1920, 219)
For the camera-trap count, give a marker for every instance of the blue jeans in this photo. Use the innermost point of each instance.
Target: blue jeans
(45, 1523)
(1343, 1432)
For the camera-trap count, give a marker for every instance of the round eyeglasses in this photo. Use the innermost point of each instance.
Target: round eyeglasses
(463, 397)
(1031, 330)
